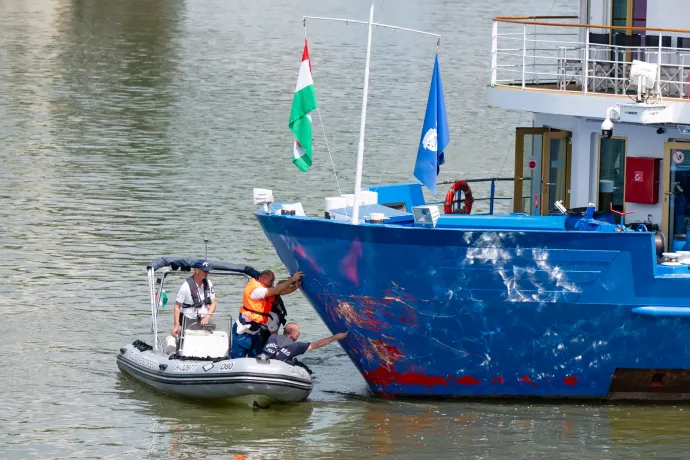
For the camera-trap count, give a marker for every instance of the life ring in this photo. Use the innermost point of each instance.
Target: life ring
(463, 187)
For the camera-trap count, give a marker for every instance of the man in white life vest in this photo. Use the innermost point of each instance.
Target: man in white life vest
(196, 299)
(255, 311)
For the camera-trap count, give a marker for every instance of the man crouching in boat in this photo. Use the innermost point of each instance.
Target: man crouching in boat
(195, 301)
(257, 301)
(286, 347)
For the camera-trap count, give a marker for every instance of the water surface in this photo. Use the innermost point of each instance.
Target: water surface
(136, 128)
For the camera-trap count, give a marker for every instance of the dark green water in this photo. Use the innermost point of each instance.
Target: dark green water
(135, 128)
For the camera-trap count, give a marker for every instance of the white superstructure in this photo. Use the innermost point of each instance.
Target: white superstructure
(573, 72)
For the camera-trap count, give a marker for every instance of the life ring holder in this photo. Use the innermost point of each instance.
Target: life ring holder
(459, 186)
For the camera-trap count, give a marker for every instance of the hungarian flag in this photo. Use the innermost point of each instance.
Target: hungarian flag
(300, 121)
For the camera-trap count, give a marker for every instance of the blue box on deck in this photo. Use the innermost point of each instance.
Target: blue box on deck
(400, 196)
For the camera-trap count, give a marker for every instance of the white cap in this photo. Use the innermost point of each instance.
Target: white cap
(376, 217)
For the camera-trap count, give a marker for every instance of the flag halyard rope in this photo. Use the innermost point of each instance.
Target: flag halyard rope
(323, 129)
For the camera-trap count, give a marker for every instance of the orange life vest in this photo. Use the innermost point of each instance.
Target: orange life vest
(256, 311)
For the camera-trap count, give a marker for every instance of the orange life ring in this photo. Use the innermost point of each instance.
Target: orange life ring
(463, 187)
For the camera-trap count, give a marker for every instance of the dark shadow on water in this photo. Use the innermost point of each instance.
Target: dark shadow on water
(517, 400)
(198, 427)
(118, 95)
(350, 396)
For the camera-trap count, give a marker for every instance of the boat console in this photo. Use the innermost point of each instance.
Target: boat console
(205, 343)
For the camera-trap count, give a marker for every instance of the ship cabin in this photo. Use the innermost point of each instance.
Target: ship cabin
(609, 91)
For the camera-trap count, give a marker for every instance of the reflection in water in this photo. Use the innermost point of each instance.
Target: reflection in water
(659, 432)
(118, 75)
(390, 429)
(191, 427)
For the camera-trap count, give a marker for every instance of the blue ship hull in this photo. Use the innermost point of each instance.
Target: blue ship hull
(495, 313)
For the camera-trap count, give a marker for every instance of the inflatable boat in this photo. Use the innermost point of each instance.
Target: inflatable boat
(196, 364)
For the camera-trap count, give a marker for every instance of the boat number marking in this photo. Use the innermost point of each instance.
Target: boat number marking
(185, 367)
(639, 175)
(226, 367)
(146, 362)
(678, 157)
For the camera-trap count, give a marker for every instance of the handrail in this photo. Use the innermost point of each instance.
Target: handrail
(586, 68)
(486, 179)
(492, 191)
(537, 17)
(524, 20)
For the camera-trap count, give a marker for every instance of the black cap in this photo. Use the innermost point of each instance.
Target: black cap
(202, 265)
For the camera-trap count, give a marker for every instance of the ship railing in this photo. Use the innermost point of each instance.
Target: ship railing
(498, 199)
(530, 52)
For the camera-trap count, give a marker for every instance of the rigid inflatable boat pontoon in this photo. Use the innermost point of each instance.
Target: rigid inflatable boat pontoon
(197, 365)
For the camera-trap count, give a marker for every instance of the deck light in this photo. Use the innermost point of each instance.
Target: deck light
(644, 74)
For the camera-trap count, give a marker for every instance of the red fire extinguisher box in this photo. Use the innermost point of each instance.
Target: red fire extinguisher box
(642, 180)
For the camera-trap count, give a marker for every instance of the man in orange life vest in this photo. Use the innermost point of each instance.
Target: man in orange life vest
(255, 311)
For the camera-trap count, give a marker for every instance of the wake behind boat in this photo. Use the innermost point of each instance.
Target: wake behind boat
(197, 366)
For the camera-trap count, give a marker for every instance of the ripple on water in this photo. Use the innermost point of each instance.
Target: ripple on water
(135, 129)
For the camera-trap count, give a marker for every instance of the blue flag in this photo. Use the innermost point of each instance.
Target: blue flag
(435, 135)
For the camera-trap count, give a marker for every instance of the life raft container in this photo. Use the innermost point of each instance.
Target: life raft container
(452, 196)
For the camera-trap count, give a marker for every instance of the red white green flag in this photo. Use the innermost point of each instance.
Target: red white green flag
(303, 102)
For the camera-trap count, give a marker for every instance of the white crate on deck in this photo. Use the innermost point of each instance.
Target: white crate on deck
(205, 343)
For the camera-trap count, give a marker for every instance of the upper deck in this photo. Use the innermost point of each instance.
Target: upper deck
(554, 64)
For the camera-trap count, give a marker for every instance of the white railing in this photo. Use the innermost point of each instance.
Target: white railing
(538, 55)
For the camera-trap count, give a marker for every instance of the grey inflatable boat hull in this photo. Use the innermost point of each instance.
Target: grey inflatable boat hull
(246, 379)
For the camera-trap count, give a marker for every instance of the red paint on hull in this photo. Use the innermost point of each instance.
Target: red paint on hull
(570, 381)
(381, 376)
(526, 379)
(468, 380)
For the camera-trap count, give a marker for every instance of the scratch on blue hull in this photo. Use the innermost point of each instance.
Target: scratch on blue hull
(447, 312)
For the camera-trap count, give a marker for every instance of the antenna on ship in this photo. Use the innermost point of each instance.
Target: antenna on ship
(360, 148)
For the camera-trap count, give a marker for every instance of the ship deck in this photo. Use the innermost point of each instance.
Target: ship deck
(554, 53)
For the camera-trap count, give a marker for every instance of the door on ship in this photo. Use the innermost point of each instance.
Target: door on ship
(542, 170)
(628, 13)
(675, 209)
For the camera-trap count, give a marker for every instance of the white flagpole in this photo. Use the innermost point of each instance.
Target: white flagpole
(360, 149)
